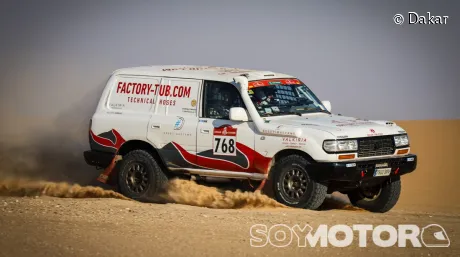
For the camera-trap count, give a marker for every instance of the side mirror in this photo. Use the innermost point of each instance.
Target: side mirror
(238, 114)
(327, 104)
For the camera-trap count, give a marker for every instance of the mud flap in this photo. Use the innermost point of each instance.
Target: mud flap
(104, 176)
(261, 186)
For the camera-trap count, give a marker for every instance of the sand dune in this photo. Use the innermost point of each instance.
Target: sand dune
(434, 185)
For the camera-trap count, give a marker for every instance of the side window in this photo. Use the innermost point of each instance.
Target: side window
(219, 97)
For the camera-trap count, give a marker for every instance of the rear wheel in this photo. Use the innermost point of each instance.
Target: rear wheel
(380, 198)
(293, 186)
(140, 177)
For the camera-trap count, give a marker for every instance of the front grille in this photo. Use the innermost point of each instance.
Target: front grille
(375, 146)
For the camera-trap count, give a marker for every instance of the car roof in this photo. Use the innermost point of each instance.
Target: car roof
(224, 74)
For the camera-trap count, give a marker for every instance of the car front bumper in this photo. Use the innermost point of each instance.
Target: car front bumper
(362, 171)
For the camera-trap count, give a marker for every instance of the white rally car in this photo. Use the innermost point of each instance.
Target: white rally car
(154, 123)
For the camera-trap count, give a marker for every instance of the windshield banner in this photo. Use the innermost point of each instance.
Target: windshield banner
(272, 82)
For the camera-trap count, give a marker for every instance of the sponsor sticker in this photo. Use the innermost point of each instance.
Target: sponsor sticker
(181, 134)
(189, 110)
(179, 123)
(346, 123)
(292, 142)
(381, 165)
(278, 132)
(132, 88)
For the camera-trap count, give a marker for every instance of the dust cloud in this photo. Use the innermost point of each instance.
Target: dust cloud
(49, 148)
(25, 187)
(190, 193)
(177, 191)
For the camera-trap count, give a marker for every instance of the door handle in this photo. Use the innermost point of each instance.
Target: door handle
(204, 131)
(156, 126)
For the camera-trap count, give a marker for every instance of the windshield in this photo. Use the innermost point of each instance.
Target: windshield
(274, 97)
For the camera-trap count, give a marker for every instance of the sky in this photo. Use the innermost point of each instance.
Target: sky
(55, 56)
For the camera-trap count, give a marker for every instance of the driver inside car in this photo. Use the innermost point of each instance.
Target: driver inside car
(264, 96)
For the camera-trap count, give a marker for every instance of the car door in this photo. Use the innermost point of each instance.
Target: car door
(223, 144)
(174, 122)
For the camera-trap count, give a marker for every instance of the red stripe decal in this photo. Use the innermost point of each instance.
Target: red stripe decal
(257, 162)
(119, 140)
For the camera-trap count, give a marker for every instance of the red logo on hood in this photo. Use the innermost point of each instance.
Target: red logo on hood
(372, 130)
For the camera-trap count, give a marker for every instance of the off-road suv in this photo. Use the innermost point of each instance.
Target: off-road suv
(207, 121)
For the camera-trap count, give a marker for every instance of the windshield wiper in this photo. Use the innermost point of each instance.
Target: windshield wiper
(326, 111)
(296, 113)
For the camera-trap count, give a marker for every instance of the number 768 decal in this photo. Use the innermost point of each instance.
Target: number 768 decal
(224, 140)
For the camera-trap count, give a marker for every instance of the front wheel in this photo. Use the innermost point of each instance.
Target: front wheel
(294, 187)
(380, 198)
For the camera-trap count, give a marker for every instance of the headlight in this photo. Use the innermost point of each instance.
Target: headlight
(333, 146)
(402, 140)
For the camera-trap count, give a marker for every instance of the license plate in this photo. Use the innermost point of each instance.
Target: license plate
(382, 172)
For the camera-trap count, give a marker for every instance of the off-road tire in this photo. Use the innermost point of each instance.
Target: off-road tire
(384, 202)
(157, 179)
(315, 192)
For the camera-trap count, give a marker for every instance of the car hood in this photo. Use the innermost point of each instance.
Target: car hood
(339, 126)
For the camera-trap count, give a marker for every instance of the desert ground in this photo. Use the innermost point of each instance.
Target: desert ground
(49, 219)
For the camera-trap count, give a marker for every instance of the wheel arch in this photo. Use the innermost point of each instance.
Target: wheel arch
(287, 152)
(136, 144)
